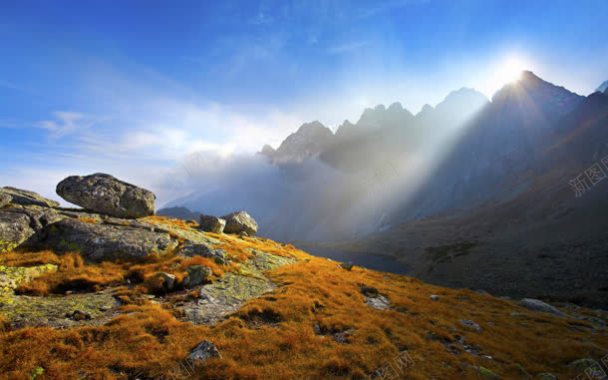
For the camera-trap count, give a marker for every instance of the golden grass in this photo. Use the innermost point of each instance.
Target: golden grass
(74, 274)
(273, 337)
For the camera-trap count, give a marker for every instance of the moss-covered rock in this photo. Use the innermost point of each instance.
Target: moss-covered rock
(14, 229)
(96, 242)
(12, 277)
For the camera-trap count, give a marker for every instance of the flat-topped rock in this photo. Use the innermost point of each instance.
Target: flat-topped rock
(105, 194)
(20, 197)
(98, 242)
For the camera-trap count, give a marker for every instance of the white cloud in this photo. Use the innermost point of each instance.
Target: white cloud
(65, 123)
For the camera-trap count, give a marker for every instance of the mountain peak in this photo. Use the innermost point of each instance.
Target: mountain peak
(554, 100)
(312, 127)
(603, 87)
(396, 106)
(308, 141)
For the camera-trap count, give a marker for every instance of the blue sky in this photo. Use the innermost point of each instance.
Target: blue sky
(132, 87)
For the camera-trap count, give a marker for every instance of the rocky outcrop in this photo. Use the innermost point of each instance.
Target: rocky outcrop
(5, 199)
(98, 242)
(105, 194)
(197, 275)
(14, 229)
(25, 198)
(240, 221)
(204, 250)
(212, 224)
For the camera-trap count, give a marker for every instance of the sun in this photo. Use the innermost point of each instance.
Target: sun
(510, 70)
(506, 71)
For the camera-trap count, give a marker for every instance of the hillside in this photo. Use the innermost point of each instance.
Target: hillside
(90, 295)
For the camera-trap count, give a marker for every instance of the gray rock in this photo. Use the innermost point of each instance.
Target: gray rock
(168, 280)
(434, 297)
(471, 325)
(5, 199)
(212, 224)
(538, 305)
(14, 229)
(197, 275)
(374, 299)
(27, 198)
(203, 351)
(240, 221)
(105, 194)
(204, 250)
(379, 302)
(41, 217)
(98, 242)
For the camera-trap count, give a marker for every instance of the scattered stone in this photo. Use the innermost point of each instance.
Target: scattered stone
(240, 221)
(471, 324)
(340, 335)
(204, 250)
(203, 351)
(98, 242)
(374, 299)
(538, 305)
(166, 280)
(26, 198)
(107, 195)
(78, 315)
(434, 297)
(348, 266)
(213, 224)
(197, 275)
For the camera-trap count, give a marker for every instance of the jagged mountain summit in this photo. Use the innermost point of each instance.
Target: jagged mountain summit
(308, 141)
(154, 297)
(603, 87)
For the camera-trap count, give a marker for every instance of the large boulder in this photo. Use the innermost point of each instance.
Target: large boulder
(210, 223)
(240, 221)
(97, 242)
(14, 229)
(24, 198)
(105, 194)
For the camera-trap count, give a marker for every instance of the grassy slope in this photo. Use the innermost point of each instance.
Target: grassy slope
(273, 336)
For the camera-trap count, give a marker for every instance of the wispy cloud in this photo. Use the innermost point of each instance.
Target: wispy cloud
(65, 123)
